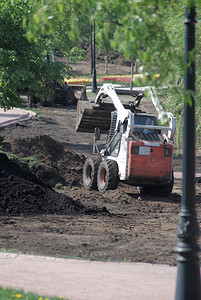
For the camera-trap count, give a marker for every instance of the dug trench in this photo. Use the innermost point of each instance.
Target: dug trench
(45, 210)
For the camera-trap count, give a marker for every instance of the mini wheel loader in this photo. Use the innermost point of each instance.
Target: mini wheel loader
(138, 151)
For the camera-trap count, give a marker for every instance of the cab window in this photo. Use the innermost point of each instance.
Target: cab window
(145, 120)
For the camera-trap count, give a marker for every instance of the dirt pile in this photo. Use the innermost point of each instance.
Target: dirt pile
(22, 193)
(53, 162)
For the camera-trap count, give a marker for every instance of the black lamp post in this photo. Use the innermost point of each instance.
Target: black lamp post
(91, 42)
(94, 83)
(188, 266)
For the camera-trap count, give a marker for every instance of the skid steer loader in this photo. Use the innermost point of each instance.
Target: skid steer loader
(138, 151)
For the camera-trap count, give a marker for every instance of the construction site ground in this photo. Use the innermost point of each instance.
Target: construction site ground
(123, 226)
(68, 220)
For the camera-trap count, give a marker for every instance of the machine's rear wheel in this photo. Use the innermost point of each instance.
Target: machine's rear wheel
(107, 178)
(90, 170)
(167, 188)
(68, 95)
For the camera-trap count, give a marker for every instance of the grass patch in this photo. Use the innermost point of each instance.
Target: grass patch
(10, 250)
(31, 161)
(59, 186)
(72, 257)
(124, 201)
(9, 294)
(37, 111)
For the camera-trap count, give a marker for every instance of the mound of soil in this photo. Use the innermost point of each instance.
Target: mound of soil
(10, 167)
(22, 193)
(55, 163)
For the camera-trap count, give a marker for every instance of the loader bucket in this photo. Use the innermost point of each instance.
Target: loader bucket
(90, 116)
(79, 91)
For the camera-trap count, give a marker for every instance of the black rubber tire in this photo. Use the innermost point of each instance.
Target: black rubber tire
(107, 178)
(167, 189)
(90, 171)
(68, 96)
(158, 190)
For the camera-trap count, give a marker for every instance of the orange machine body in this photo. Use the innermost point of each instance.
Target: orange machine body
(149, 162)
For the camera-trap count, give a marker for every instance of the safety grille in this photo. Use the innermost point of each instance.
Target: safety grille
(153, 137)
(112, 125)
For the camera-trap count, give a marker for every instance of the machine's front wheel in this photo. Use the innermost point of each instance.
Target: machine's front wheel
(90, 170)
(107, 178)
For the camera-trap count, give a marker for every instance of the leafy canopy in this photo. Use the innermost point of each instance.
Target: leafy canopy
(23, 64)
(150, 30)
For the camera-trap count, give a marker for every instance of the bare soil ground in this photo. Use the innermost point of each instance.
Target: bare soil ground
(119, 225)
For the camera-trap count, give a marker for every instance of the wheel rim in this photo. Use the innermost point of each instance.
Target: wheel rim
(89, 173)
(103, 176)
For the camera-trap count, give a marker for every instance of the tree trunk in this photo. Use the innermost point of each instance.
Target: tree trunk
(106, 64)
(132, 68)
(30, 101)
(68, 60)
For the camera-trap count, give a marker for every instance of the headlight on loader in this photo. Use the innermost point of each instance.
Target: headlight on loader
(134, 150)
(168, 152)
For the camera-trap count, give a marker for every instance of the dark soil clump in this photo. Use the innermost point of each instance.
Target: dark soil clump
(22, 193)
(54, 162)
(21, 197)
(10, 167)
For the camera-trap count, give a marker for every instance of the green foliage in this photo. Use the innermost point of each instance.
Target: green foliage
(44, 21)
(23, 64)
(174, 26)
(151, 31)
(7, 293)
(104, 37)
(30, 161)
(11, 51)
(58, 186)
(133, 27)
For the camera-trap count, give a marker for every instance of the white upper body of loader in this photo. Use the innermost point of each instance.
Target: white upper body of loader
(126, 124)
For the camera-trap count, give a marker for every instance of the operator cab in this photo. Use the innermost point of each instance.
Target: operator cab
(147, 120)
(146, 132)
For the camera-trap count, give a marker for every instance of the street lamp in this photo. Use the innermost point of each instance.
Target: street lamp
(188, 266)
(91, 42)
(94, 83)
